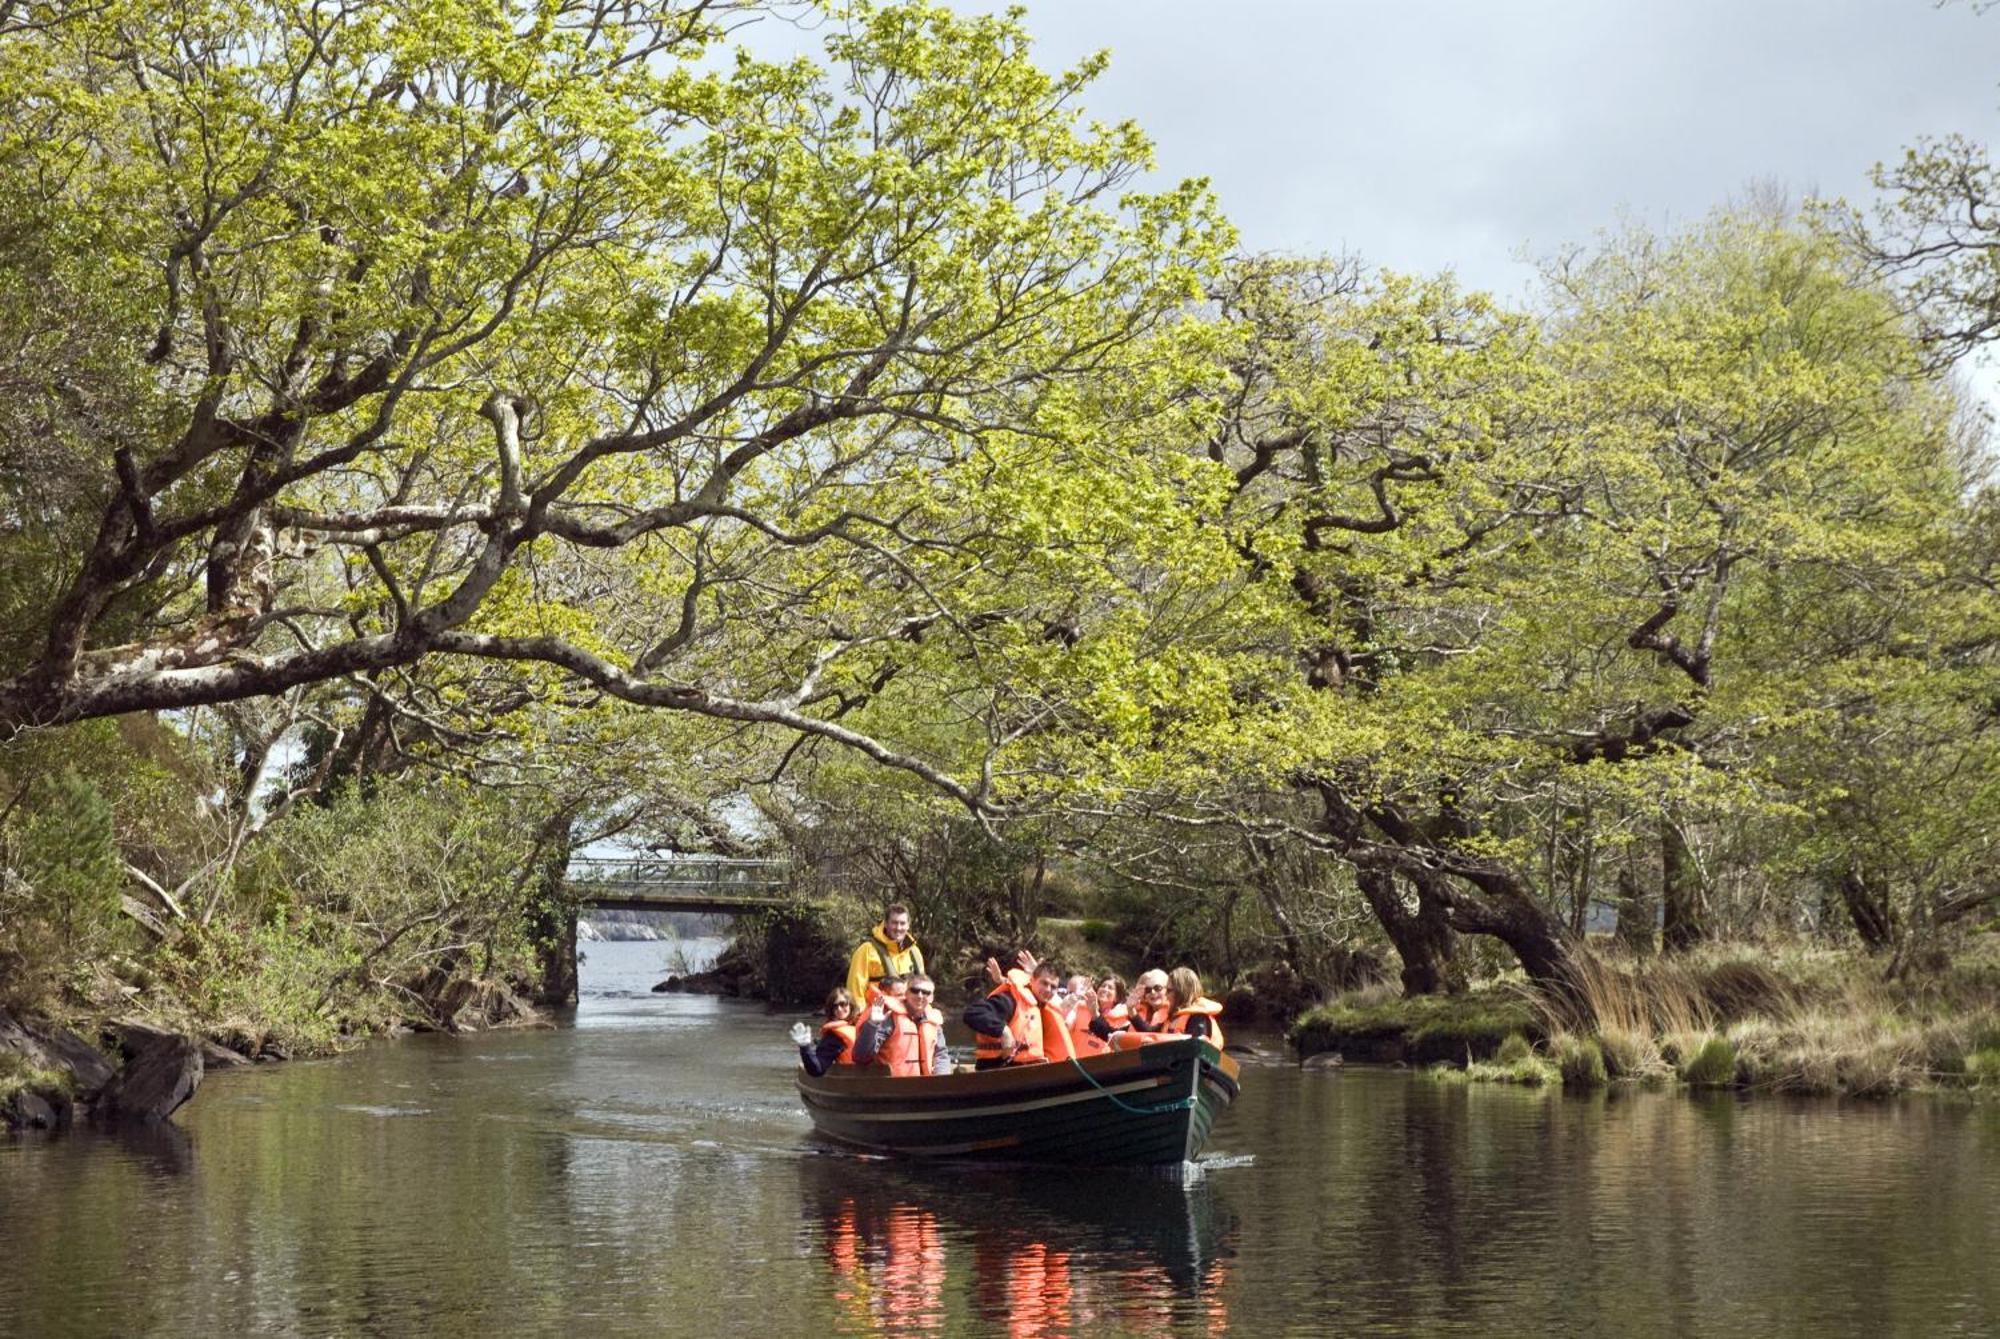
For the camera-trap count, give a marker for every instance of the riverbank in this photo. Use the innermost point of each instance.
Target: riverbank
(1793, 1020)
(138, 1058)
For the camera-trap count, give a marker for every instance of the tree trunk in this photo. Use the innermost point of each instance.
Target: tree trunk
(1686, 920)
(1423, 937)
(552, 927)
(1638, 912)
(1266, 879)
(1868, 907)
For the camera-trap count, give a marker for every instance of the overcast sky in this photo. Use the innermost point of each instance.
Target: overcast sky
(1423, 136)
(1433, 135)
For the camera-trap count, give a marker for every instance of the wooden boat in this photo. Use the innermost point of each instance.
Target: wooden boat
(1153, 1104)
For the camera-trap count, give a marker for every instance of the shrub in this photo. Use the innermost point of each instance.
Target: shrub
(1530, 1071)
(1580, 1062)
(1982, 1068)
(1631, 1054)
(1713, 1065)
(1514, 1050)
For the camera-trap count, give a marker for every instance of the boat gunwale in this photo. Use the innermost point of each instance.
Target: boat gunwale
(944, 1092)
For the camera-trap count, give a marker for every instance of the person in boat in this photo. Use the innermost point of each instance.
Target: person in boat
(1192, 1013)
(835, 1043)
(873, 1026)
(1007, 1022)
(903, 1033)
(1080, 1013)
(1111, 1017)
(889, 950)
(1149, 1008)
(920, 1007)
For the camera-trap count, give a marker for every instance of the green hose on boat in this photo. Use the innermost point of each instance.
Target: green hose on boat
(1122, 1104)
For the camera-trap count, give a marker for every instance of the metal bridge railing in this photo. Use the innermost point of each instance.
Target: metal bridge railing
(668, 875)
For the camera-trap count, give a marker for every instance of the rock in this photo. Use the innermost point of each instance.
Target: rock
(1324, 1060)
(89, 1071)
(59, 1049)
(135, 1036)
(238, 1035)
(28, 1110)
(216, 1056)
(671, 985)
(162, 1072)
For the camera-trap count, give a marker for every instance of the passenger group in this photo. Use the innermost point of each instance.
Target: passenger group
(885, 1019)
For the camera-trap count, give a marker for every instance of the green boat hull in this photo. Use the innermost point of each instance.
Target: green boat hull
(1150, 1106)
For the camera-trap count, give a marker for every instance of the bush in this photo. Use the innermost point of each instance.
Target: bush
(1530, 1071)
(1711, 1066)
(1514, 1050)
(1982, 1068)
(1580, 1062)
(1374, 1024)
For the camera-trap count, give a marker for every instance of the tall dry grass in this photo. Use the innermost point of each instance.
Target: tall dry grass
(1795, 1021)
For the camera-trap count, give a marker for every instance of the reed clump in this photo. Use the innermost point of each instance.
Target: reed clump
(1792, 1021)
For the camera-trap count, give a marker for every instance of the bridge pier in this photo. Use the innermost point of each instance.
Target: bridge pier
(555, 953)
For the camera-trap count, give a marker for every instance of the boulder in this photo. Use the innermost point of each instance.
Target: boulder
(215, 1056)
(161, 1072)
(89, 1071)
(32, 1110)
(1324, 1060)
(77, 1069)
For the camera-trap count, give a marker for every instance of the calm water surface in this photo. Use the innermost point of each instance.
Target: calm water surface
(648, 1171)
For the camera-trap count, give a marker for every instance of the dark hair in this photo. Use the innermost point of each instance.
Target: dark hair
(1047, 969)
(838, 995)
(895, 909)
(886, 980)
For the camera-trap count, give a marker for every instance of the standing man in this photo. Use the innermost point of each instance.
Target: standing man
(888, 951)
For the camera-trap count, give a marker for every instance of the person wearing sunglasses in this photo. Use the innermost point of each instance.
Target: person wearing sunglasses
(903, 1033)
(1149, 1006)
(835, 1045)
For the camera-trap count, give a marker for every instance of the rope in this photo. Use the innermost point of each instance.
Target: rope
(1127, 1107)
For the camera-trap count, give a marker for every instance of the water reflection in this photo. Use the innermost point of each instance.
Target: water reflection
(649, 1172)
(1035, 1252)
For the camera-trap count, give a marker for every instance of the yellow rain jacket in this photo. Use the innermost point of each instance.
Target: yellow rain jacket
(877, 957)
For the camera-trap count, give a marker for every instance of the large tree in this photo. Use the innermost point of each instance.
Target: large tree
(345, 337)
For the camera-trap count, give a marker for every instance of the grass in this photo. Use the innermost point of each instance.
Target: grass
(1789, 1020)
(1529, 1071)
(1795, 1020)
(1378, 1024)
(18, 1075)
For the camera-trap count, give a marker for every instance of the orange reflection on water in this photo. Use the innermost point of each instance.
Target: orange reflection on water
(889, 1257)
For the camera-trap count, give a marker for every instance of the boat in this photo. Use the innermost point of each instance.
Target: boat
(1150, 1105)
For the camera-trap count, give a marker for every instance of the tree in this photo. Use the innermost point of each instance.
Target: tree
(516, 332)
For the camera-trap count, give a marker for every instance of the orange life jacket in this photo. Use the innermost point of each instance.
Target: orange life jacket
(912, 1041)
(1056, 1040)
(1082, 1040)
(1026, 1024)
(1155, 1016)
(1208, 1009)
(844, 1031)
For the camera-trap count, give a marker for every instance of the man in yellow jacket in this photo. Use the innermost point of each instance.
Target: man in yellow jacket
(888, 951)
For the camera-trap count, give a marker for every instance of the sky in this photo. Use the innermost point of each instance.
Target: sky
(1422, 135)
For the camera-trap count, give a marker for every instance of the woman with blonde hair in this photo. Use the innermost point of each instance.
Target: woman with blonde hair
(1189, 1012)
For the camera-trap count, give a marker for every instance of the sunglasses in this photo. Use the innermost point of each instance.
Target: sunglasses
(922, 992)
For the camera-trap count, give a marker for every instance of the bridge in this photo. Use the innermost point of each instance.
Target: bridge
(713, 884)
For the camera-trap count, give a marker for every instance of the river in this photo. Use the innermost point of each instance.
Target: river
(648, 1171)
